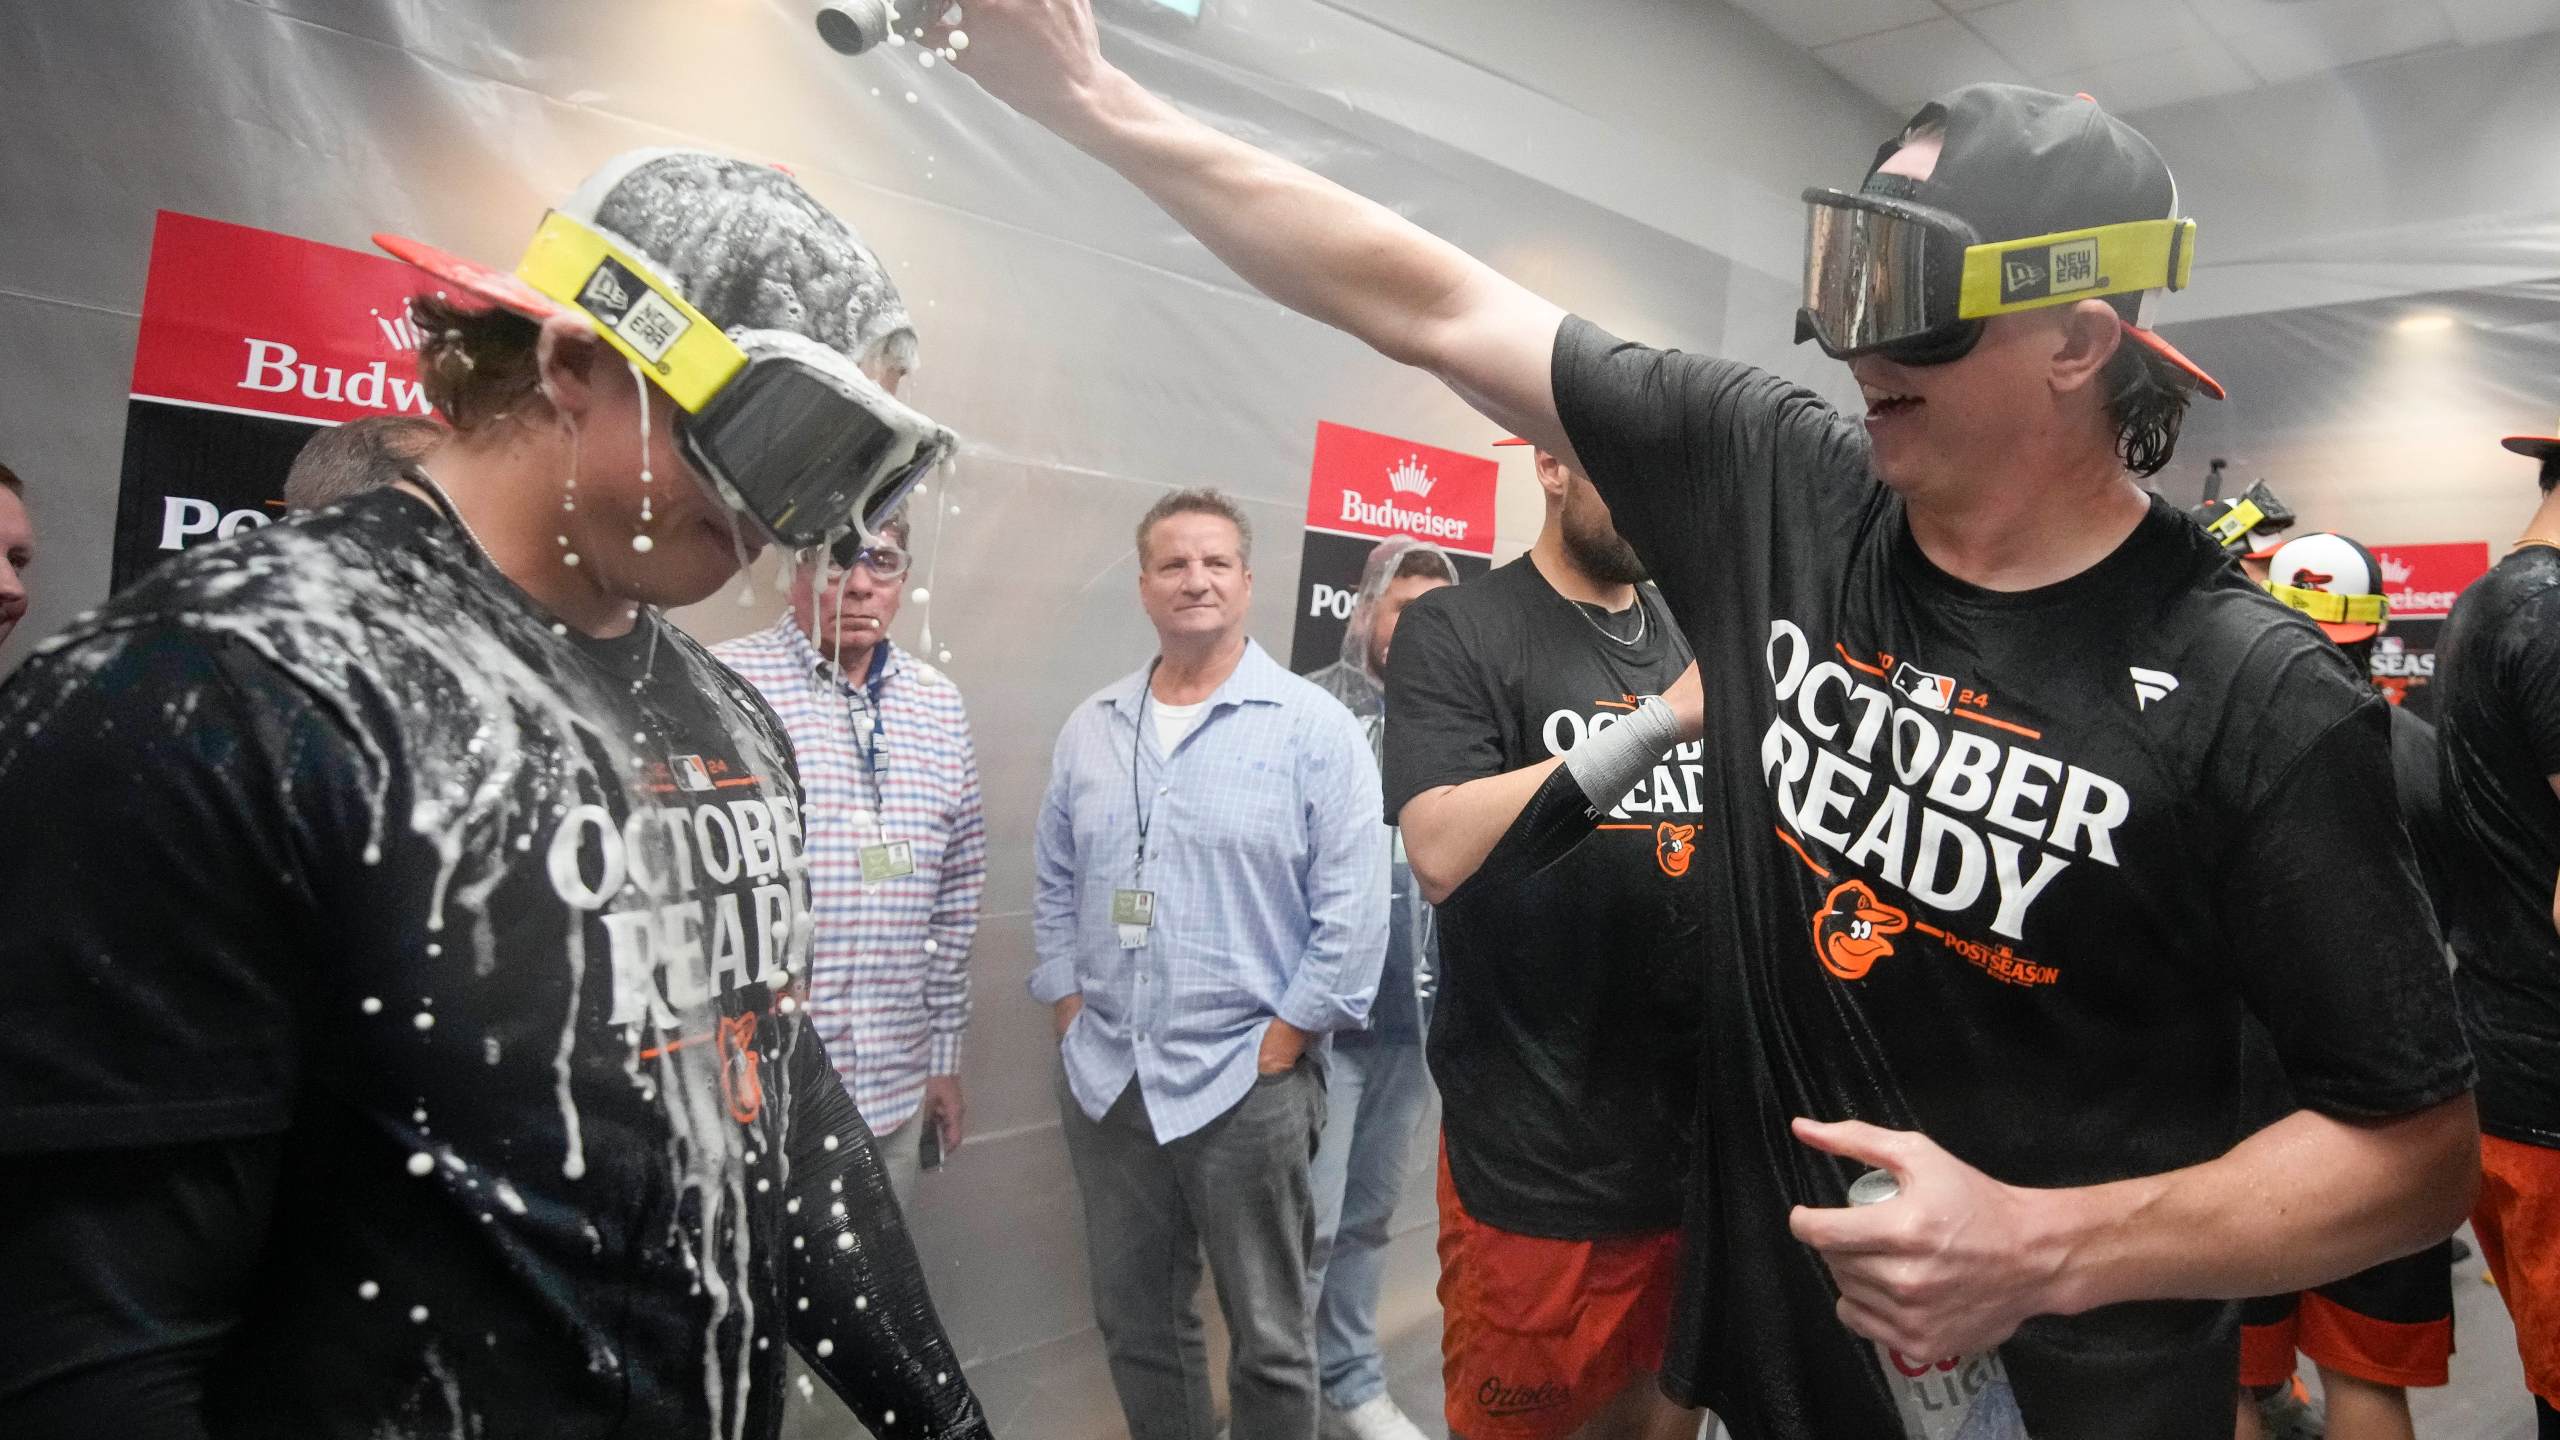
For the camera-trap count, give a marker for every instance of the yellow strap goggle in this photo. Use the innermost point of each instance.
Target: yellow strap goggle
(2243, 517)
(2335, 609)
(636, 312)
(2013, 275)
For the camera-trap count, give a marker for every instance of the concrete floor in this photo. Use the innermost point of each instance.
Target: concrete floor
(1061, 1391)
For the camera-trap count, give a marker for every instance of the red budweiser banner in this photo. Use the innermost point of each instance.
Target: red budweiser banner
(2421, 580)
(250, 340)
(1375, 485)
(1364, 488)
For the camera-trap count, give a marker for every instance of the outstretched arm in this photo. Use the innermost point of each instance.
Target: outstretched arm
(1299, 238)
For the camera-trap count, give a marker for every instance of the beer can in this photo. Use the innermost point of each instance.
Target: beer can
(1961, 1397)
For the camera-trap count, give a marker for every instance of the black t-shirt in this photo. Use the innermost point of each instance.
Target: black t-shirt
(2008, 868)
(336, 840)
(2500, 733)
(1565, 1038)
(2417, 775)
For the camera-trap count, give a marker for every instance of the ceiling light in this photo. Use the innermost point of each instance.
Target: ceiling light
(2431, 322)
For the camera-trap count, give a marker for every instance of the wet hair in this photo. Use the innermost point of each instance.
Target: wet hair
(2550, 472)
(1421, 561)
(478, 366)
(10, 482)
(344, 460)
(1197, 502)
(2147, 399)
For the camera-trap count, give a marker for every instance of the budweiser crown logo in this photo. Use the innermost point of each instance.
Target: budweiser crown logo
(1411, 477)
(2395, 571)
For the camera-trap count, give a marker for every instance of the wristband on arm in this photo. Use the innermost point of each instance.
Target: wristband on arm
(1610, 761)
(1595, 776)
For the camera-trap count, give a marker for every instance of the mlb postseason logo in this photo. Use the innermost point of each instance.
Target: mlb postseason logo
(636, 312)
(2055, 270)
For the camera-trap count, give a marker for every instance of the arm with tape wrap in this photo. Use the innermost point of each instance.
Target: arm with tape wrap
(1530, 818)
(869, 1329)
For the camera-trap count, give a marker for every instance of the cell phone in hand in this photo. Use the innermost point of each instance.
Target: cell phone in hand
(929, 1145)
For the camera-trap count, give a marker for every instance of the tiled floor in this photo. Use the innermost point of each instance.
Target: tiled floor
(1060, 1391)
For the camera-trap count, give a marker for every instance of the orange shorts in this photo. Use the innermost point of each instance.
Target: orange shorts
(2518, 1222)
(1539, 1335)
(2392, 1325)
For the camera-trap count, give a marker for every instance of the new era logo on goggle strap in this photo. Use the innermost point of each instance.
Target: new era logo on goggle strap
(636, 312)
(2062, 269)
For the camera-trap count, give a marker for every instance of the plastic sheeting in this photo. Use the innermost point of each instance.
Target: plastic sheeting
(2381, 418)
(1089, 354)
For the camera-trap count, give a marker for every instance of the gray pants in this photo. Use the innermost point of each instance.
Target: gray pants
(1237, 1189)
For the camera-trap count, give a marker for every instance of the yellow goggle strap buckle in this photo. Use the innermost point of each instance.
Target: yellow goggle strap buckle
(2013, 275)
(2336, 609)
(2243, 517)
(636, 312)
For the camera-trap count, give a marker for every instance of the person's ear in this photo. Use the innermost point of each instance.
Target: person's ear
(2089, 334)
(1553, 478)
(569, 363)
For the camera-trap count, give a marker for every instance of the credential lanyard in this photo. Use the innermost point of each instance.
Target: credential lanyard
(884, 859)
(1133, 910)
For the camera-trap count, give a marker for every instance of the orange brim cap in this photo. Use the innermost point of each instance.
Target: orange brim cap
(496, 287)
(2533, 447)
(2348, 632)
(1510, 440)
(2150, 340)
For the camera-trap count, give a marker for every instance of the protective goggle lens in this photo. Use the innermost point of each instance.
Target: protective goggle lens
(1868, 280)
(805, 457)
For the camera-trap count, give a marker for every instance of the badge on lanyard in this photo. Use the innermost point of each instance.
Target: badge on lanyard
(888, 860)
(1134, 911)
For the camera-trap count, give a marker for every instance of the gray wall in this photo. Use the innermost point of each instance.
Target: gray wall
(1640, 165)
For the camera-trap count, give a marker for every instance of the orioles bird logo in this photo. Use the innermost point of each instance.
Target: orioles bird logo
(741, 1068)
(1849, 930)
(1672, 847)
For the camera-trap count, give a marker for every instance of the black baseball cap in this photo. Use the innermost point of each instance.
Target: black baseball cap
(2019, 162)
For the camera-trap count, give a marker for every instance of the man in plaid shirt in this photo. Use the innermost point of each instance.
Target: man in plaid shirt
(897, 844)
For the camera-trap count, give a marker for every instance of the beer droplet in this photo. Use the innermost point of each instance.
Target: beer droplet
(368, 1290)
(422, 1163)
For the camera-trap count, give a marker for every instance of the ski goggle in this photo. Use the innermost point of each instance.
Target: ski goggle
(786, 430)
(1884, 274)
(2250, 523)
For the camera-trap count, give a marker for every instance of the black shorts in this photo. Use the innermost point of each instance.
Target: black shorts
(2392, 1324)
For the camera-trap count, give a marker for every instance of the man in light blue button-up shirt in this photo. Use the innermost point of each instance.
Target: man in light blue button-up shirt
(1211, 903)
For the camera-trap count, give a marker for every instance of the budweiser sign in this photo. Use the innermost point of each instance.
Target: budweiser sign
(237, 318)
(1373, 486)
(2421, 581)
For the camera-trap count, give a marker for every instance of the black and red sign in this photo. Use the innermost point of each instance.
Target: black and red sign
(1364, 488)
(250, 341)
(2421, 582)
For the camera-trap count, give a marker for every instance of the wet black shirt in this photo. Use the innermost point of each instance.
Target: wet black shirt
(478, 932)
(2500, 740)
(2008, 868)
(1565, 1038)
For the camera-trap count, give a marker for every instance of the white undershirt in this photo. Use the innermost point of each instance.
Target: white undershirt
(1175, 721)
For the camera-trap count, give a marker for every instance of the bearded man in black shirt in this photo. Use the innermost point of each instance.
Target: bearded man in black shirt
(1989, 731)
(400, 1036)
(1566, 1037)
